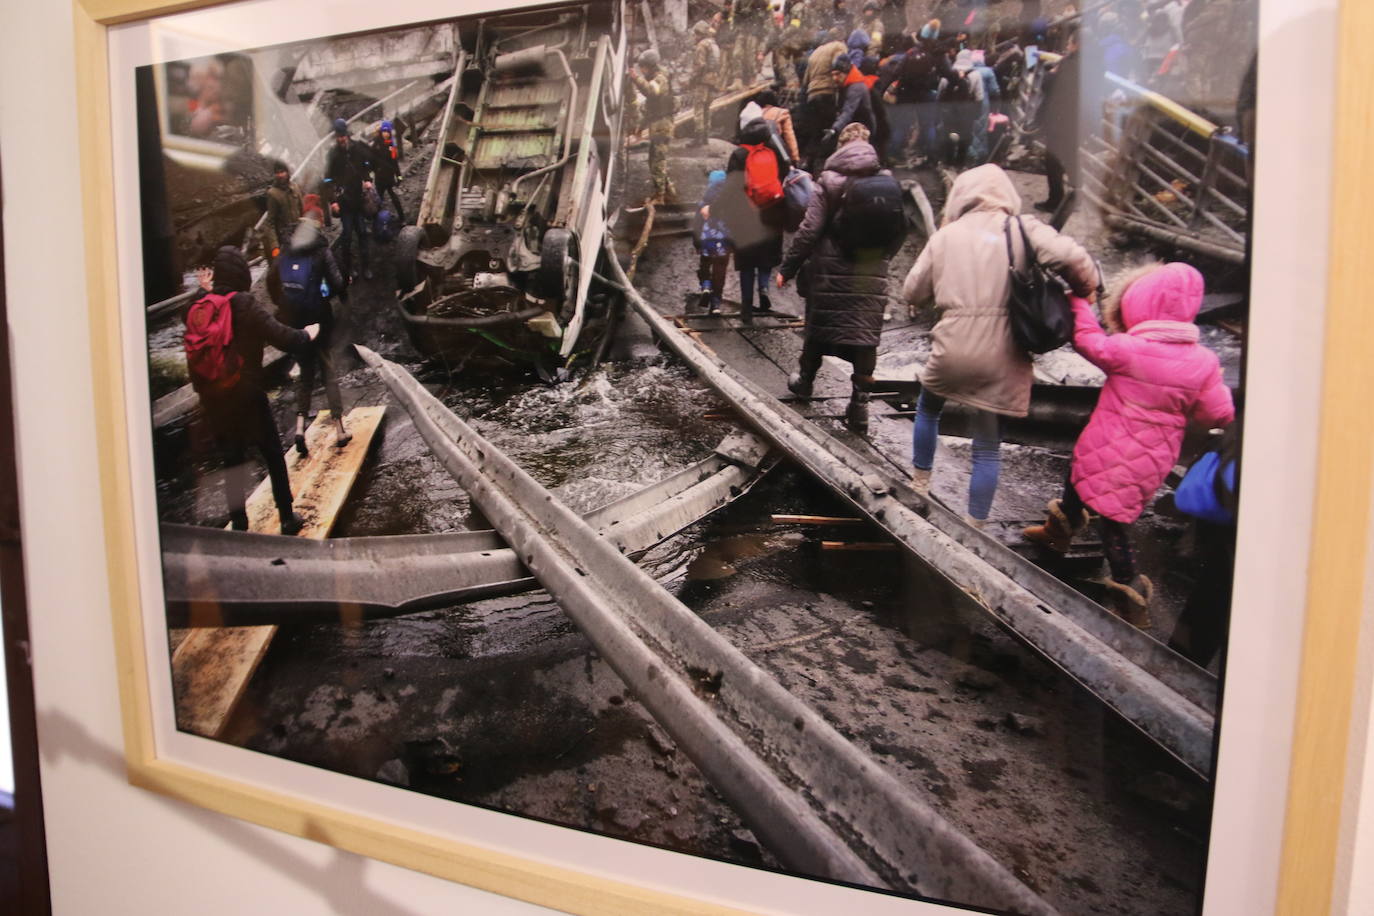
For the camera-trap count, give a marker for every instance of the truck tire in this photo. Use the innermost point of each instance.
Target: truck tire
(556, 279)
(405, 252)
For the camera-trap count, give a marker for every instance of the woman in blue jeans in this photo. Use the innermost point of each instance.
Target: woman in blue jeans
(973, 359)
(986, 429)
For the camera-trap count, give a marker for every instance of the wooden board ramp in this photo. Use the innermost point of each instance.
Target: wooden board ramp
(212, 665)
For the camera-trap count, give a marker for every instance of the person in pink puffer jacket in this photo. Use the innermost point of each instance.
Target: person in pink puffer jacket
(1158, 378)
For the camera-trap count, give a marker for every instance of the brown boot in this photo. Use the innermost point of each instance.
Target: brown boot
(1058, 530)
(1131, 601)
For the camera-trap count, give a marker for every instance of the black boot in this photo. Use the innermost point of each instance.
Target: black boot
(704, 300)
(856, 417)
(800, 384)
(291, 523)
(300, 446)
(765, 304)
(238, 519)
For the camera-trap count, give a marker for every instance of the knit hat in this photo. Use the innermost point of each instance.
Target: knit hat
(231, 270)
(279, 166)
(340, 127)
(852, 132)
(386, 126)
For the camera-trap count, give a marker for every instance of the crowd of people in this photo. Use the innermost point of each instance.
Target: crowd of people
(307, 285)
(871, 93)
(807, 196)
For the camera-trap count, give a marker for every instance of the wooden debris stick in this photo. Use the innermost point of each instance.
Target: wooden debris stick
(858, 545)
(212, 665)
(816, 520)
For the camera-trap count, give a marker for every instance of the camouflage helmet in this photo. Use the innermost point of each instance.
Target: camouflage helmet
(649, 58)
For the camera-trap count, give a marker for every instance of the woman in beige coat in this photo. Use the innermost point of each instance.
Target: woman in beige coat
(973, 359)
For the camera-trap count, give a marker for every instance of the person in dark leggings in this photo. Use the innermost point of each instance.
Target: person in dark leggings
(316, 305)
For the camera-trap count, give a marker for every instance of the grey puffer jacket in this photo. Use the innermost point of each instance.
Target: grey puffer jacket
(845, 298)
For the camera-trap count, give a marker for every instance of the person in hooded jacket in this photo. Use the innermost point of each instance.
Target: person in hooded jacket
(1159, 377)
(240, 416)
(308, 244)
(973, 359)
(755, 234)
(856, 47)
(845, 296)
(387, 152)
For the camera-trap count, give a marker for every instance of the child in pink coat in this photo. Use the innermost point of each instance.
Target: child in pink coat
(1158, 378)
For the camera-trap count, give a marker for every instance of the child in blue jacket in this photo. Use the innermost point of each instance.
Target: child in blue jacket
(713, 245)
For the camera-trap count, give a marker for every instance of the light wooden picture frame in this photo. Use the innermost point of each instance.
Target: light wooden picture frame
(1333, 584)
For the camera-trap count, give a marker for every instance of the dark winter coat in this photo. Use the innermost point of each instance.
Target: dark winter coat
(283, 211)
(254, 326)
(756, 235)
(920, 73)
(345, 170)
(845, 298)
(386, 164)
(856, 104)
(1059, 114)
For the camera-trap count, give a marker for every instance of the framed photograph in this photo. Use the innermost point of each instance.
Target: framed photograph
(771, 456)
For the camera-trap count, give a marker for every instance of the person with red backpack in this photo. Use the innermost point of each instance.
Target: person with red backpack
(225, 333)
(752, 206)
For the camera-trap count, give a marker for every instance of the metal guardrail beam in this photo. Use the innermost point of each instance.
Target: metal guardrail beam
(1193, 121)
(822, 806)
(247, 579)
(1166, 697)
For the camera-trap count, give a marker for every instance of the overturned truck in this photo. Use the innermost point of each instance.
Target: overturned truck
(517, 191)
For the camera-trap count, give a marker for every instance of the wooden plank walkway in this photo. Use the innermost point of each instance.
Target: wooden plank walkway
(212, 665)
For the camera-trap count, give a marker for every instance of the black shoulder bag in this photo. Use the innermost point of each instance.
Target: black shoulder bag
(1041, 318)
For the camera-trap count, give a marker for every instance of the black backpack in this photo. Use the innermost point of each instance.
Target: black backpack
(871, 217)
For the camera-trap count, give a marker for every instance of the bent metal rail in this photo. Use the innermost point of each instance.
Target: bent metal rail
(821, 805)
(264, 579)
(1169, 699)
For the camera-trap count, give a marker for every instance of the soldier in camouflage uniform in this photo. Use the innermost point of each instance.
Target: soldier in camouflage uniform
(751, 19)
(706, 76)
(652, 82)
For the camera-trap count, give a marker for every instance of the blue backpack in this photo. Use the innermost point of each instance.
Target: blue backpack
(300, 283)
(384, 225)
(1208, 490)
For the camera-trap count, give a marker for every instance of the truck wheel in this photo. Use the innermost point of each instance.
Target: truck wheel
(405, 252)
(556, 279)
